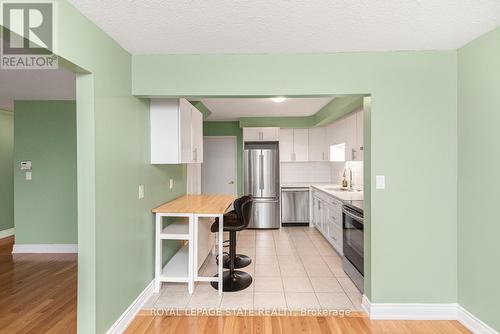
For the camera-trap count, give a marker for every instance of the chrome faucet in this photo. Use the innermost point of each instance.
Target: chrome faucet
(350, 178)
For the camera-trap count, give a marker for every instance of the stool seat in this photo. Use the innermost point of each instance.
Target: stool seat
(230, 224)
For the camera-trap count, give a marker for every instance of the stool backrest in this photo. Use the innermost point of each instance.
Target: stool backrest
(237, 204)
(246, 212)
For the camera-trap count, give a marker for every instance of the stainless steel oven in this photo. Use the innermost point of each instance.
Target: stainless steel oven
(353, 245)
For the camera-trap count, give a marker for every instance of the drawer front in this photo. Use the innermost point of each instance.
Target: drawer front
(335, 202)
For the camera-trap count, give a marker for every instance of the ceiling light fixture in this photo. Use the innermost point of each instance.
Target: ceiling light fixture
(278, 99)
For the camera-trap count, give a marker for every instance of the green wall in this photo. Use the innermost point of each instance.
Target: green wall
(478, 178)
(413, 143)
(6, 170)
(229, 129)
(45, 208)
(115, 228)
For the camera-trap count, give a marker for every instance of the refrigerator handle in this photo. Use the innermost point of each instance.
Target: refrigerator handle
(261, 172)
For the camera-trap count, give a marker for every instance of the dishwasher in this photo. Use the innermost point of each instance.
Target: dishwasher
(294, 206)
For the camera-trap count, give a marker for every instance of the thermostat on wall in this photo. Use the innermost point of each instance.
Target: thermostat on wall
(26, 165)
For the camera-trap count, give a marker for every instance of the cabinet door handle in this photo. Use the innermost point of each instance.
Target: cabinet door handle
(323, 154)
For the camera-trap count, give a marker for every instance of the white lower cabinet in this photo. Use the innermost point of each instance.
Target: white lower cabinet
(327, 218)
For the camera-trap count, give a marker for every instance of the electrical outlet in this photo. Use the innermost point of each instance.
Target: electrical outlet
(141, 191)
(29, 176)
(171, 183)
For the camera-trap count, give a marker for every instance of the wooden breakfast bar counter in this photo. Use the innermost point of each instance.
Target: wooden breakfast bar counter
(183, 266)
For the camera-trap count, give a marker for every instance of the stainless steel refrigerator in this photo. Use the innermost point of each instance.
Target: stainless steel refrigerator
(262, 174)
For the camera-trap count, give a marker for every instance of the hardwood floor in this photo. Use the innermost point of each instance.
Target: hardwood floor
(37, 291)
(287, 325)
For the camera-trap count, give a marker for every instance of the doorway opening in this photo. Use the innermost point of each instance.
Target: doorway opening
(299, 263)
(38, 253)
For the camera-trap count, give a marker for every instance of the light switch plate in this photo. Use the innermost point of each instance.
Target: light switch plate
(29, 176)
(380, 182)
(171, 183)
(141, 191)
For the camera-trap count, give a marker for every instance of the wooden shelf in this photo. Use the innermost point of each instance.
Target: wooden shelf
(178, 230)
(176, 270)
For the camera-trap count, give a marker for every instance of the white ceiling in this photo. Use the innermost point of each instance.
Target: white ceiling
(35, 85)
(291, 26)
(233, 109)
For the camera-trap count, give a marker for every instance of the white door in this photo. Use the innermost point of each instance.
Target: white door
(301, 144)
(218, 170)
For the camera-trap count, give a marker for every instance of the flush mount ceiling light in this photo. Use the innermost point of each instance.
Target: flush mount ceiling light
(278, 99)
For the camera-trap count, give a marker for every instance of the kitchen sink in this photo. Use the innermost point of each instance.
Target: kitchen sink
(341, 189)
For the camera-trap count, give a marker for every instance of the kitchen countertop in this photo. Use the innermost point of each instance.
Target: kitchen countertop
(324, 187)
(302, 184)
(340, 194)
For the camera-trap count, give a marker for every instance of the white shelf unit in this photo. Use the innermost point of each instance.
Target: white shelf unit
(181, 267)
(177, 269)
(177, 230)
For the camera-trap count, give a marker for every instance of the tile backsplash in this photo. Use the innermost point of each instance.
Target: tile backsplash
(337, 170)
(298, 172)
(321, 172)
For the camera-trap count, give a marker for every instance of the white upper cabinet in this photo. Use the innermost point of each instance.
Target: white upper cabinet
(270, 134)
(359, 148)
(349, 131)
(251, 134)
(301, 144)
(261, 134)
(318, 147)
(294, 145)
(286, 144)
(197, 135)
(176, 132)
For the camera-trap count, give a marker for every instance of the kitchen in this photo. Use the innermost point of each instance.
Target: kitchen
(304, 240)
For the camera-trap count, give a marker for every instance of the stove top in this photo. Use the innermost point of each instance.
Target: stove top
(356, 204)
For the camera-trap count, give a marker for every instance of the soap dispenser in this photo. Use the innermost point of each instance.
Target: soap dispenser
(344, 180)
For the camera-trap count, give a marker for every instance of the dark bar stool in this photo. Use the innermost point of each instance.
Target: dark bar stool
(240, 260)
(236, 280)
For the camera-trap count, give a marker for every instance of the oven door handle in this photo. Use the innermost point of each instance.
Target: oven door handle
(352, 215)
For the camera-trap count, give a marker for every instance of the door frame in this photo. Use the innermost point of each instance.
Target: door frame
(235, 142)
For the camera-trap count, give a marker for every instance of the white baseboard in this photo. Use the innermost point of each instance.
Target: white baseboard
(126, 318)
(474, 324)
(451, 311)
(6, 233)
(45, 248)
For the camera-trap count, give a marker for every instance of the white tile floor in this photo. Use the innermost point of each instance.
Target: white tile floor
(293, 268)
